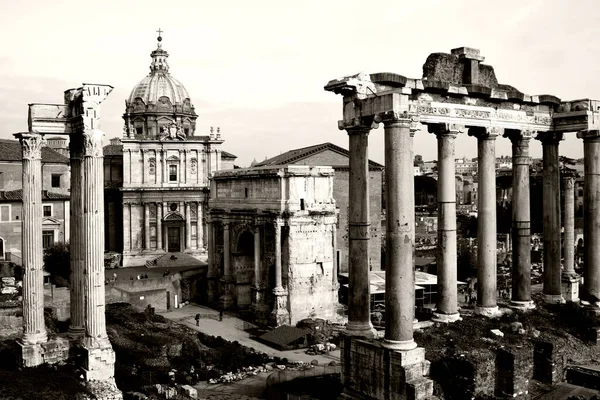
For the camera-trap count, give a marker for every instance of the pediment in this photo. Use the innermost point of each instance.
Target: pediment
(174, 216)
(50, 221)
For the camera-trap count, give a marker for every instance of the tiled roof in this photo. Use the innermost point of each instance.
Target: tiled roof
(113, 150)
(292, 156)
(227, 155)
(17, 195)
(10, 150)
(284, 335)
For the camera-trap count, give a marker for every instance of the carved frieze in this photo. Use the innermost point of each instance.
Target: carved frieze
(514, 116)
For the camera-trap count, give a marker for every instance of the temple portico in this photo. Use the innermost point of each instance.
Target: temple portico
(457, 93)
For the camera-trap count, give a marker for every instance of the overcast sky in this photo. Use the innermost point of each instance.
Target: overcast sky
(257, 68)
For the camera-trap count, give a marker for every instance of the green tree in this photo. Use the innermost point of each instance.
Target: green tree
(57, 261)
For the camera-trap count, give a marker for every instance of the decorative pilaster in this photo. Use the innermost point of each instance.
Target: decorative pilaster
(521, 233)
(200, 227)
(591, 217)
(188, 226)
(400, 219)
(486, 221)
(159, 221)
(447, 306)
(551, 217)
(146, 226)
(570, 280)
(126, 221)
(34, 329)
(359, 299)
(280, 314)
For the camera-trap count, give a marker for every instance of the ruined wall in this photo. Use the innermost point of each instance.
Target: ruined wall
(310, 269)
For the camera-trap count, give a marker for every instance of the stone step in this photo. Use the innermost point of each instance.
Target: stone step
(419, 389)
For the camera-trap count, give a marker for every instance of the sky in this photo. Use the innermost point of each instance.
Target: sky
(257, 69)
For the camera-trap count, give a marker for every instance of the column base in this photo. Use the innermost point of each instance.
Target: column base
(35, 338)
(522, 305)
(50, 352)
(489, 312)
(570, 287)
(360, 330)
(554, 299)
(401, 345)
(446, 318)
(76, 332)
(98, 359)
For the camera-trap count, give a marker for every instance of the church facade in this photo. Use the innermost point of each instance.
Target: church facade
(157, 174)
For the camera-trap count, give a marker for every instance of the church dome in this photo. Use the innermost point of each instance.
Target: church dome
(159, 82)
(158, 102)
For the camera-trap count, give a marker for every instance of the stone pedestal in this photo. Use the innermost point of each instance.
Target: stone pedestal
(259, 307)
(570, 287)
(372, 372)
(280, 314)
(50, 352)
(98, 359)
(227, 299)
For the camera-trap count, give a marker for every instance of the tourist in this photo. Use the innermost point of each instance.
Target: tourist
(220, 315)
(198, 319)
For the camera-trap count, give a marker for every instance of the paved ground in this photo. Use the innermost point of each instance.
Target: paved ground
(231, 328)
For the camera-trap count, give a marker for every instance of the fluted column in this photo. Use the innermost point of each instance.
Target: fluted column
(188, 226)
(359, 298)
(76, 239)
(159, 218)
(569, 225)
(93, 234)
(146, 226)
(257, 274)
(34, 328)
(447, 305)
(521, 233)
(591, 217)
(551, 217)
(486, 221)
(400, 219)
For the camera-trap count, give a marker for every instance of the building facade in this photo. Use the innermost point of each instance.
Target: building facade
(157, 175)
(272, 247)
(337, 157)
(55, 198)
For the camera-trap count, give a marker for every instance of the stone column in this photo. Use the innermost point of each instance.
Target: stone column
(188, 226)
(400, 219)
(146, 226)
(227, 280)
(76, 238)
(34, 328)
(359, 299)
(521, 235)
(126, 217)
(551, 217)
(280, 314)
(257, 280)
(159, 218)
(93, 233)
(591, 217)
(570, 280)
(447, 306)
(486, 221)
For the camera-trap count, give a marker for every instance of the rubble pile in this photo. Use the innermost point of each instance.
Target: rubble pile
(320, 348)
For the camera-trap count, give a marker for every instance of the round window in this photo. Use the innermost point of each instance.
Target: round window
(173, 206)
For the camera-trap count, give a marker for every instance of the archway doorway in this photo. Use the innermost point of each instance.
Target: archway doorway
(243, 265)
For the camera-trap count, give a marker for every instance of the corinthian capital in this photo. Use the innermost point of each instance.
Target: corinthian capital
(31, 144)
(445, 129)
(92, 143)
(489, 133)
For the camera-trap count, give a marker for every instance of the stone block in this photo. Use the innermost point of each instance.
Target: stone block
(419, 389)
(188, 391)
(570, 289)
(99, 362)
(549, 362)
(30, 355)
(408, 357)
(514, 369)
(594, 334)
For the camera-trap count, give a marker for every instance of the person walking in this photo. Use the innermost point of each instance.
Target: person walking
(198, 319)
(220, 314)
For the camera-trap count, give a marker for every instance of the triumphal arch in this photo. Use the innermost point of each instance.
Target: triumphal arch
(457, 95)
(78, 117)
